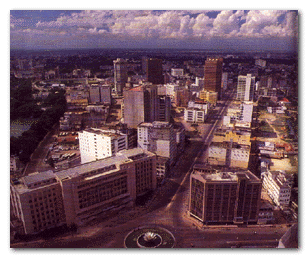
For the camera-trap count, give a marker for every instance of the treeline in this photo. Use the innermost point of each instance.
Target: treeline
(24, 145)
(22, 104)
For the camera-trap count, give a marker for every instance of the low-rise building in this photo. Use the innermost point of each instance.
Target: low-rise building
(278, 186)
(194, 115)
(80, 194)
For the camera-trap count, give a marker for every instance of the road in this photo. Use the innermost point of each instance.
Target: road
(168, 208)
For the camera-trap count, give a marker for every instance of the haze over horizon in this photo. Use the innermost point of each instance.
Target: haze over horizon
(266, 30)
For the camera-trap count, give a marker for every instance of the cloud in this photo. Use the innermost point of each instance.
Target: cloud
(154, 25)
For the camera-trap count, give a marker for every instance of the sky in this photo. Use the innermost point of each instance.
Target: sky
(192, 29)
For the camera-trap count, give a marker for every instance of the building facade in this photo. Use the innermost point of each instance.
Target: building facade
(213, 75)
(278, 186)
(225, 197)
(154, 71)
(159, 138)
(97, 144)
(120, 75)
(245, 87)
(82, 193)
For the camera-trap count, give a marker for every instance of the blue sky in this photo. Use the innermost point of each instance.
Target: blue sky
(229, 29)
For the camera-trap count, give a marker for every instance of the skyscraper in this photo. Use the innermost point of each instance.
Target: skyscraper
(120, 75)
(213, 74)
(245, 87)
(140, 105)
(154, 71)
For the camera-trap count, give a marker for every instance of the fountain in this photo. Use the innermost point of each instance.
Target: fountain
(149, 240)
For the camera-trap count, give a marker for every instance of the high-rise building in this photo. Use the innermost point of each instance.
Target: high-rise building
(213, 75)
(225, 197)
(164, 108)
(245, 87)
(120, 75)
(154, 71)
(144, 104)
(95, 144)
(140, 105)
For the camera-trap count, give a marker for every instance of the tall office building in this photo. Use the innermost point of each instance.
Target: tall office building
(225, 197)
(120, 75)
(245, 87)
(140, 105)
(154, 71)
(213, 75)
(95, 144)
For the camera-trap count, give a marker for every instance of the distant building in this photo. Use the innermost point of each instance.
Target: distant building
(245, 87)
(144, 104)
(225, 197)
(213, 75)
(194, 115)
(120, 75)
(154, 71)
(95, 144)
(208, 96)
(224, 81)
(260, 62)
(177, 72)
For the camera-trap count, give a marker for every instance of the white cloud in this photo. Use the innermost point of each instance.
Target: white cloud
(172, 24)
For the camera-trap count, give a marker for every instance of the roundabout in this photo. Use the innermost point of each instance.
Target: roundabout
(149, 237)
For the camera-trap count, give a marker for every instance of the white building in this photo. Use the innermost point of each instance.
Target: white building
(95, 144)
(246, 111)
(278, 186)
(176, 72)
(224, 81)
(245, 87)
(194, 115)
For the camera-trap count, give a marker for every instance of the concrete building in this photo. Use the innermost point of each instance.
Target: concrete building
(278, 186)
(194, 115)
(176, 72)
(154, 71)
(95, 144)
(228, 154)
(120, 75)
(227, 135)
(36, 201)
(245, 87)
(163, 108)
(225, 197)
(224, 81)
(80, 194)
(213, 75)
(159, 138)
(140, 105)
(208, 96)
(260, 62)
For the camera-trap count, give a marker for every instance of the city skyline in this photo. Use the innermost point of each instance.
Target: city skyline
(266, 30)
